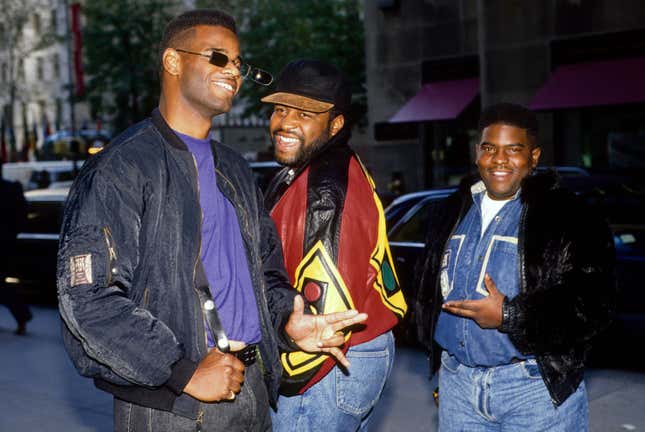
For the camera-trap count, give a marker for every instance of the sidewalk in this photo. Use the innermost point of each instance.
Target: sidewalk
(41, 391)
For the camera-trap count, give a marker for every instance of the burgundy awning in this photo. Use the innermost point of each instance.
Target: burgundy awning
(443, 100)
(610, 82)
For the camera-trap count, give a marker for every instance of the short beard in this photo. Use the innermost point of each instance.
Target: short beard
(304, 154)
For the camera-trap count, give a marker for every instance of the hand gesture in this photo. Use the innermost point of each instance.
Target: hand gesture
(218, 377)
(316, 333)
(486, 312)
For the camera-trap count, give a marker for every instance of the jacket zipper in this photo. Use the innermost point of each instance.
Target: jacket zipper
(111, 253)
(200, 413)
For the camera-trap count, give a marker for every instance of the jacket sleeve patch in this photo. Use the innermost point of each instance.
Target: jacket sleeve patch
(80, 267)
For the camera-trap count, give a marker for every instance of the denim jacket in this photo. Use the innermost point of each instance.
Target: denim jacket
(128, 261)
(469, 255)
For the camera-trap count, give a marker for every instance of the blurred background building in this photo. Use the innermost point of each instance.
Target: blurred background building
(36, 74)
(432, 64)
(421, 71)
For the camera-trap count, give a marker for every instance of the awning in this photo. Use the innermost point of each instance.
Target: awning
(609, 82)
(443, 100)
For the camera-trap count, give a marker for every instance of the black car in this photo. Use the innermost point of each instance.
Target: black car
(34, 271)
(621, 200)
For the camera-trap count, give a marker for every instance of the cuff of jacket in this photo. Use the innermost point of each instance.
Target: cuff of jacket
(285, 343)
(182, 372)
(508, 316)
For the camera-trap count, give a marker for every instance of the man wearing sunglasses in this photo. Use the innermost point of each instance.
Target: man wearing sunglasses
(332, 228)
(171, 283)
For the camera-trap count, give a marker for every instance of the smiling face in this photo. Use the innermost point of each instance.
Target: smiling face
(505, 156)
(297, 134)
(207, 88)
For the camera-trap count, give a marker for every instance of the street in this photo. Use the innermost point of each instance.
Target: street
(41, 391)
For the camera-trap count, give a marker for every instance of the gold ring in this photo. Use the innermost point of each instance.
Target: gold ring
(232, 395)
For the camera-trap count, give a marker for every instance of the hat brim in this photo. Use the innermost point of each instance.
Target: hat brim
(299, 102)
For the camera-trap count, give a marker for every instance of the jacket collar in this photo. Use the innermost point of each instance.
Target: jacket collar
(533, 188)
(166, 131)
(171, 137)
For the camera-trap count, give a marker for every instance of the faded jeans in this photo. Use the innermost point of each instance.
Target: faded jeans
(341, 401)
(249, 411)
(505, 398)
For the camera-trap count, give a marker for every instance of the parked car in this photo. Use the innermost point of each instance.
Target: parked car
(35, 268)
(35, 257)
(62, 145)
(620, 200)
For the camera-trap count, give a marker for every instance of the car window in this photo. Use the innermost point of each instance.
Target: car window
(414, 225)
(394, 213)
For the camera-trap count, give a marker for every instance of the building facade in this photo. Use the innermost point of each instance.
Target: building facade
(432, 65)
(35, 63)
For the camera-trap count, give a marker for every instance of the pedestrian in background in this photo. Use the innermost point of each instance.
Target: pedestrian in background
(517, 279)
(332, 228)
(13, 216)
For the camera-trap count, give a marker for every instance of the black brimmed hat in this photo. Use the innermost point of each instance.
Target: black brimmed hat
(312, 85)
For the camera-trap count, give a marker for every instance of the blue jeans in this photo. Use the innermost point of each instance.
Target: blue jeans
(249, 411)
(341, 401)
(504, 398)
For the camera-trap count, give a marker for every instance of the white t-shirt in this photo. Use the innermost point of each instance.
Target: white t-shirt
(490, 208)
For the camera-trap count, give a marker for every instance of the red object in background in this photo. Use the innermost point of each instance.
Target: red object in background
(78, 49)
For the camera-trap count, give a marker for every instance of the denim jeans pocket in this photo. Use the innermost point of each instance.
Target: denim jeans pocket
(531, 369)
(448, 362)
(358, 391)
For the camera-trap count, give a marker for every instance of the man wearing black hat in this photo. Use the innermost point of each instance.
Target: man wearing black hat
(331, 225)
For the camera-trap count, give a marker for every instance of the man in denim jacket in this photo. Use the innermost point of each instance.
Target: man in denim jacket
(517, 278)
(161, 229)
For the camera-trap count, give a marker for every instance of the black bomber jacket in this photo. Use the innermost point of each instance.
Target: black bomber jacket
(128, 263)
(567, 288)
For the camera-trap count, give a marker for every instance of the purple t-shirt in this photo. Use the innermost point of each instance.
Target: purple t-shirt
(222, 253)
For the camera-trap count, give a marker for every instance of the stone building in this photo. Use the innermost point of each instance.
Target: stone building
(432, 64)
(35, 61)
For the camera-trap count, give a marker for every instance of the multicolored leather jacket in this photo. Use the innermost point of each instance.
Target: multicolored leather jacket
(333, 234)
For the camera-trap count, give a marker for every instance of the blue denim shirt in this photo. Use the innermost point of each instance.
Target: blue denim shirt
(468, 256)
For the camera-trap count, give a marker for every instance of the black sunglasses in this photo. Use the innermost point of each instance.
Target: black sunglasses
(220, 59)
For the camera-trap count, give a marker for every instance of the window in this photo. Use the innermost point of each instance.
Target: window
(37, 27)
(56, 66)
(39, 68)
(53, 24)
(414, 229)
(21, 69)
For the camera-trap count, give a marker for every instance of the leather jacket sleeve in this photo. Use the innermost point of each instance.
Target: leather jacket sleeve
(569, 278)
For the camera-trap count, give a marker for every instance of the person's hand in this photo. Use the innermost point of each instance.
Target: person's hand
(218, 377)
(486, 312)
(316, 333)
